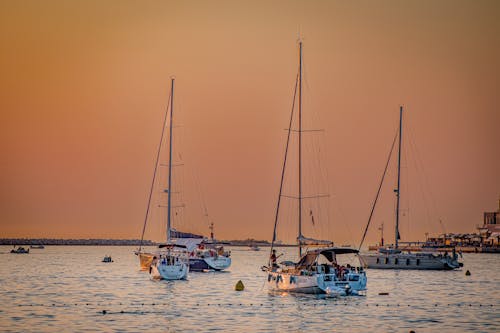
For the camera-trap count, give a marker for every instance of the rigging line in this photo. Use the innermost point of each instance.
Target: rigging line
(378, 191)
(201, 195)
(424, 185)
(154, 173)
(284, 166)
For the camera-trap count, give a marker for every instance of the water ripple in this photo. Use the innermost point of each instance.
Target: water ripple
(69, 288)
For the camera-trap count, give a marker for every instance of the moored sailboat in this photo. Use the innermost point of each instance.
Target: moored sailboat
(198, 252)
(393, 257)
(169, 264)
(317, 270)
(205, 254)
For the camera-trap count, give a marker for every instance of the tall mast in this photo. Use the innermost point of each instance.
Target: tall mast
(398, 190)
(300, 148)
(169, 193)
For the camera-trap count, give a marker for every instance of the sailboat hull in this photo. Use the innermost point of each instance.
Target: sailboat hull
(164, 271)
(202, 264)
(218, 263)
(319, 283)
(195, 264)
(419, 261)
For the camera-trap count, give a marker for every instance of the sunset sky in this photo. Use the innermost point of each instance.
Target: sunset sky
(84, 86)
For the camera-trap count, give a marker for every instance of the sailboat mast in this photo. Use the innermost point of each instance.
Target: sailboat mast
(300, 149)
(169, 193)
(398, 190)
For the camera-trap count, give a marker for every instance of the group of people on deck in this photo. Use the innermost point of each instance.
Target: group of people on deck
(339, 270)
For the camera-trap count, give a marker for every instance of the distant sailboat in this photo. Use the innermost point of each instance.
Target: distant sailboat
(316, 270)
(393, 257)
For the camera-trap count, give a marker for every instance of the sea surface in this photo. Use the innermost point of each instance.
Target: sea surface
(69, 289)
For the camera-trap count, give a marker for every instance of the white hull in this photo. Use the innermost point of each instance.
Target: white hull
(218, 263)
(165, 271)
(317, 283)
(421, 261)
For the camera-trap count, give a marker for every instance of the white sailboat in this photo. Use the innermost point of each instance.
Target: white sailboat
(170, 264)
(316, 270)
(201, 254)
(393, 257)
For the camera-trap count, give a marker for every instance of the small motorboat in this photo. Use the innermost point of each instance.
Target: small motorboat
(20, 250)
(40, 246)
(107, 259)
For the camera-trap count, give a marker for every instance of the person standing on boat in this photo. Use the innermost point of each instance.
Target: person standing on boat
(274, 259)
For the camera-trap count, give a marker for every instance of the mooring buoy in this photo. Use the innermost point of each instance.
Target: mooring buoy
(239, 286)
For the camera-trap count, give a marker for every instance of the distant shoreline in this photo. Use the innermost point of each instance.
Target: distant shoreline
(117, 242)
(90, 241)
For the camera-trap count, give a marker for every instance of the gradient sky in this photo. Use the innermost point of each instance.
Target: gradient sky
(84, 86)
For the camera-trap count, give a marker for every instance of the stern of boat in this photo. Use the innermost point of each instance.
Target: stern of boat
(177, 271)
(218, 263)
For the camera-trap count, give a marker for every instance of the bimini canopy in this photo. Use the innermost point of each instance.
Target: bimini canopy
(171, 246)
(311, 241)
(309, 258)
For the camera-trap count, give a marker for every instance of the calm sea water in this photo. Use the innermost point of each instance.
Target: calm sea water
(66, 289)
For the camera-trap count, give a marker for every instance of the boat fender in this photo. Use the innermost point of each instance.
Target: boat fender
(239, 286)
(467, 273)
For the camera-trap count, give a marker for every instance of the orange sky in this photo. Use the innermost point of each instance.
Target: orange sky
(83, 88)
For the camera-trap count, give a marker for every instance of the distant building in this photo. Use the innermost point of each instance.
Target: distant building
(490, 230)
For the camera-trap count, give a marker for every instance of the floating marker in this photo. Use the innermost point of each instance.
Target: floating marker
(239, 286)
